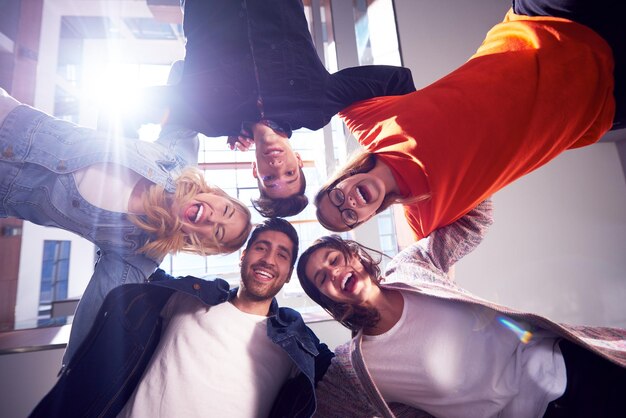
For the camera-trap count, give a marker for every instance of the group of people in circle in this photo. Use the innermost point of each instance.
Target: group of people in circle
(548, 78)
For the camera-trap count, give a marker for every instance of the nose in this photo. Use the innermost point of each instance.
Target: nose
(270, 258)
(350, 201)
(275, 163)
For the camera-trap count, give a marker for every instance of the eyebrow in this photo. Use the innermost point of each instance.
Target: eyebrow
(273, 185)
(267, 242)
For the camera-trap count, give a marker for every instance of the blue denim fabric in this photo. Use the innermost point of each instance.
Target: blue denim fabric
(38, 155)
(108, 366)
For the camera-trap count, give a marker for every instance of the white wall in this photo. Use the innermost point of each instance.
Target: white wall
(557, 245)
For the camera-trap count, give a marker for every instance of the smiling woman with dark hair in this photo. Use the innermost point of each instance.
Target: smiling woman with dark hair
(423, 346)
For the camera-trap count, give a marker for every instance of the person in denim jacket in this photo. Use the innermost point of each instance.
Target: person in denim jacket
(145, 356)
(252, 73)
(137, 201)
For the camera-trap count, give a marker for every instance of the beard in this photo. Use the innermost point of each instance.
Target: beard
(255, 290)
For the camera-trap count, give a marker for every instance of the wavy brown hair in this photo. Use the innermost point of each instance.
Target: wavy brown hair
(353, 317)
(166, 227)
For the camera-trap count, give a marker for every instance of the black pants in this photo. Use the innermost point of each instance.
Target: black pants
(606, 17)
(596, 387)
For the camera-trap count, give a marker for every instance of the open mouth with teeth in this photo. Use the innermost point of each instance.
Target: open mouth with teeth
(273, 152)
(363, 194)
(263, 274)
(194, 212)
(348, 282)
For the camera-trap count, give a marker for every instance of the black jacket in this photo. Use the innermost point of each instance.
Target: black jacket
(252, 59)
(108, 365)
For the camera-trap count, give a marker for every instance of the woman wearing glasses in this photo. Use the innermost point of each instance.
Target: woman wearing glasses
(537, 86)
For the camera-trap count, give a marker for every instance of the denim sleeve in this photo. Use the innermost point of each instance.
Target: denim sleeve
(111, 270)
(323, 359)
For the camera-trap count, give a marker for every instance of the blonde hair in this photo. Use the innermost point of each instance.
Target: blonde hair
(166, 227)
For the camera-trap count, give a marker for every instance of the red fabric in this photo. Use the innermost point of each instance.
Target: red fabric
(536, 87)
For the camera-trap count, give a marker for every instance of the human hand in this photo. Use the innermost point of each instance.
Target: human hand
(241, 143)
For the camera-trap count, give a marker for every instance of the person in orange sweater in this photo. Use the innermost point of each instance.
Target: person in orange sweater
(537, 86)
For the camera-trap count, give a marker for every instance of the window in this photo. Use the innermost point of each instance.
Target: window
(54, 274)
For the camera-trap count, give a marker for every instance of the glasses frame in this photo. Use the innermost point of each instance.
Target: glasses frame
(343, 212)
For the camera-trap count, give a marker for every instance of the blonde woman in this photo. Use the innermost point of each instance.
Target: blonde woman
(137, 201)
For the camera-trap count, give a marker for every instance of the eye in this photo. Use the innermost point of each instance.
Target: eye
(269, 178)
(336, 197)
(333, 260)
(323, 279)
(349, 216)
(291, 173)
(219, 233)
(283, 255)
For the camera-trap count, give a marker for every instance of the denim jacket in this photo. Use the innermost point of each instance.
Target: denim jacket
(249, 60)
(38, 155)
(109, 364)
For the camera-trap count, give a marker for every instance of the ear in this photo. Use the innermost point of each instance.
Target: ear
(254, 173)
(243, 254)
(300, 163)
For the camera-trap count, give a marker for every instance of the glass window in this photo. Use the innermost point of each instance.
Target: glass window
(54, 276)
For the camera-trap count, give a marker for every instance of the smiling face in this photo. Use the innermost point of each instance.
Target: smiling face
(266, 266)
(341, 279)
(277, 165)
(213, 216)
(362, 195)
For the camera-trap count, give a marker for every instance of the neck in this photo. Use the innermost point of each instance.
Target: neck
(389, 304)
(247, 305)
(382, 171)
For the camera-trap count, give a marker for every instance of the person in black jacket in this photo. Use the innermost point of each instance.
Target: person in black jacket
(251, 73)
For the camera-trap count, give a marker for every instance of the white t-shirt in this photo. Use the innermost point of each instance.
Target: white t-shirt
(211, 362)
(463, 362)
(107, 186)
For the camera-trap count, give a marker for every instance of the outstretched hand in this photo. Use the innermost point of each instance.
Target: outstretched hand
(241, 143)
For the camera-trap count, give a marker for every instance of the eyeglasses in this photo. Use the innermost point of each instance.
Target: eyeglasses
(348, 216)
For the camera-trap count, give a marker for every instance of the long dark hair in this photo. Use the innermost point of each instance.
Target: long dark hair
(352, 317)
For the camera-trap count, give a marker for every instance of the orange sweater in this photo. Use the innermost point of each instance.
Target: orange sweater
(536, 87)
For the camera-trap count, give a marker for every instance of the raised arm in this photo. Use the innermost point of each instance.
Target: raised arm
(446, 245)
(111, 270)
(355, 84)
